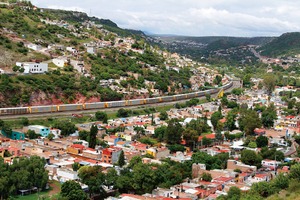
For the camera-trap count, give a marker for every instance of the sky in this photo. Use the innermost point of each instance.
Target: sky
(245, 18)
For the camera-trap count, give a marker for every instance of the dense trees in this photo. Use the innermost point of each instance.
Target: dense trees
(72, 191)
(66, 127)
(24, 173)
(268, 116)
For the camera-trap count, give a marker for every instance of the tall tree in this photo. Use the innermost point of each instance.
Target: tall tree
(269, 83)
(191, 137)
(215, 117)
(93, 136)
(230, 120)
(121, 160)
(173, 132)
(248, 121)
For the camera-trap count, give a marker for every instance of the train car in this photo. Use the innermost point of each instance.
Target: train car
(167, 98)
(191, 95)
(179, 97)
(43, 109)
(14, 111)
(69, 107)
(136, 102)
(96, 105)
(200, 94)
(113, 104)
(152, 100)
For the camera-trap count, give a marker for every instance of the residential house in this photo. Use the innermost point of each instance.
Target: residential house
(111, 155)
(33, 67)
(41, 130)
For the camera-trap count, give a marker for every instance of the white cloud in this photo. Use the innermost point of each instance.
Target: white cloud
(193, 17)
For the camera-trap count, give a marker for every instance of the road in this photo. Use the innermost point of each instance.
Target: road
(236, 84)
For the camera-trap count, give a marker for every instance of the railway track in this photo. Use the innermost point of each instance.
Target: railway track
(236, 84)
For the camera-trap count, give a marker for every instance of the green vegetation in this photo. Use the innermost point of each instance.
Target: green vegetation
(286, 44)
(30, 170)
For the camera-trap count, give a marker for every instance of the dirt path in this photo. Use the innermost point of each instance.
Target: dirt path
(55, 188)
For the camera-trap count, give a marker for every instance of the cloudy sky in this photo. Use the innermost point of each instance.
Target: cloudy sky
(192, 17)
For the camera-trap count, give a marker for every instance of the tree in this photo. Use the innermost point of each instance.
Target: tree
(76, 166)
(295, 172)
(173, 132)
(93, 136)
(24, 121)
(261, 141)
(72, 191)
(249, 157)
(269, 83)
(93, 177)
(134, 161)
(66, 127)
(51, 136)
(111, 177)
(281, 181)
(268, 116)
(139, 131)
(143, 178)
(176, 147)
(264, 189)
(163, 115)
(191, 137)
(122, 113)
(248, 121)
(31, 134)
(252, 145)
(206, 141)
(83, 135)
(121, 160)
(215, 117)
(234, 193)
(206, 177)
(159, 133)
(101, 116)
(230, 120)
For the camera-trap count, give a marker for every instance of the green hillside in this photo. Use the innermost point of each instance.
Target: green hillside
(287, 44)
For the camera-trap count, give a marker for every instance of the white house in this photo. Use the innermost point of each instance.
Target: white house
(34, 47)
(91, 49)
(72, 50)
(64, 175)
(60, 61)
(33, 67)
(1, 71)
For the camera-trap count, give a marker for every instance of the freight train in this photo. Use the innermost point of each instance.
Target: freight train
(110, 104)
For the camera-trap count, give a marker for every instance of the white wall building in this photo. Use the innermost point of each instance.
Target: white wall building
(34, 47)
(33, 68)
(60, 61)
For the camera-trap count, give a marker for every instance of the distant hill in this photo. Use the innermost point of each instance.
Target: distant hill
(211, 39)
(287, 44)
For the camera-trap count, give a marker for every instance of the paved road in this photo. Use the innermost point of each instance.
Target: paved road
(236, 84)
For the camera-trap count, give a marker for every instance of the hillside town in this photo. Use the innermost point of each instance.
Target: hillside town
(89, 110)
(133, 135)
